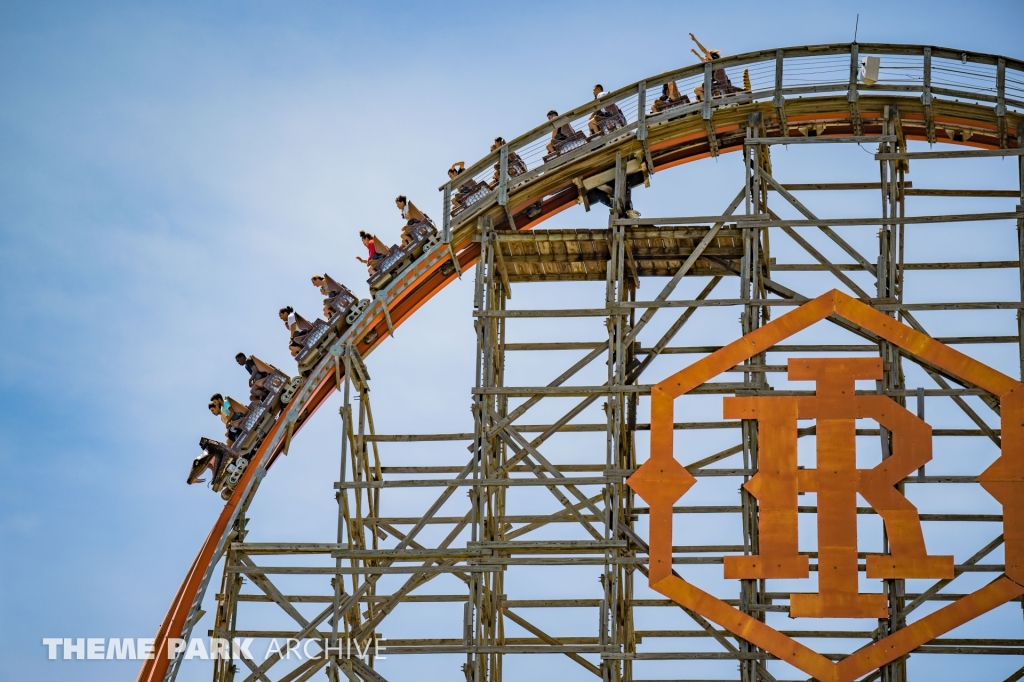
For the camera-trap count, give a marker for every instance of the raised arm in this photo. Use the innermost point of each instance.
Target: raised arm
(702, 48)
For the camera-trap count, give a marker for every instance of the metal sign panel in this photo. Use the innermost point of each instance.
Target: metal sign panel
(662, 481)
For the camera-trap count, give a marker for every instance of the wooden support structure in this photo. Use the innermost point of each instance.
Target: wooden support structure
(593, 525)
(483, 528)
(889, 284)
(483, 626)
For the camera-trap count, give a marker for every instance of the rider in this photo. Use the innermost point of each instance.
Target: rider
(258, 373)
(467, 188)
(720, 83)
(376, 251)
(559, 134)
(297, 325)
(610, 112)
(231, 412)
(412, 216)
(515, 162)
(330, 289)
(670, 97)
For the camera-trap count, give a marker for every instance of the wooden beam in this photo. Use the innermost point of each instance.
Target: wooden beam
(547, 639)
(821, 139)
(759, 221)
(984, 193)
(809, 186)
(962, 154)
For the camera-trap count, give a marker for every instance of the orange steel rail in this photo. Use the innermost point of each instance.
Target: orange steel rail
(422, 280)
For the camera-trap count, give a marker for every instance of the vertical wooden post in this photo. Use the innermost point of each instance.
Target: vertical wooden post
(226, 617)
(473, 665)
(503, 175)
(756, 159)
(499, 457)
(342, 498)
(641, 127)
(485, 615)
(926, 96)
(889, 285)
(706, 110)
(624, 638)
(851, 95)
(747, 172)
(615, 619)
(357, 529)
(1001, 101)
(446, 215)
(503, 190)
(707, 113)
(778, 101)
(1020, 247)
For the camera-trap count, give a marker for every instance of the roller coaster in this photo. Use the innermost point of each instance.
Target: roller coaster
(880, 95)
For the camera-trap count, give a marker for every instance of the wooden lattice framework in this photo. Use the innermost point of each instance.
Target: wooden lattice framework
(597, 504)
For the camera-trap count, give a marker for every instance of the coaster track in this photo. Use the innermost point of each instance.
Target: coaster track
(942, 95)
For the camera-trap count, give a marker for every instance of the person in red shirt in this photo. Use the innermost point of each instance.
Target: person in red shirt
(376, 251)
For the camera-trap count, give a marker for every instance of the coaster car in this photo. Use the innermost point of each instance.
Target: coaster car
(670, 99)
(273, 390)
(318, 339)
(721, 86)
(225, 464)
(604, 121)
(516, 166)
(468, 194)
(421, 237)
(559, 147)
(254, 427)
(262, 413)
(342, 308)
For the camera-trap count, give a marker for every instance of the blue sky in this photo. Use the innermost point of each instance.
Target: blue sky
(172, 173)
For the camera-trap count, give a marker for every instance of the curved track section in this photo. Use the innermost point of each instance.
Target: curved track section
(942, 95)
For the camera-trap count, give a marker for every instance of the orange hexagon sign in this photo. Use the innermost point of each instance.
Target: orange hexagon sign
(662, 481)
